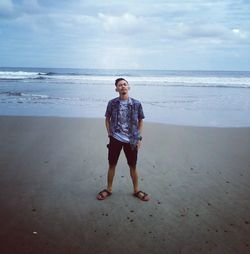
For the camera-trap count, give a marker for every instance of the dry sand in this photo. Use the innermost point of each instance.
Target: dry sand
(52, 168)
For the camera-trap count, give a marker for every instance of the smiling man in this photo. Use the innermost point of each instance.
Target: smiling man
(124, 122)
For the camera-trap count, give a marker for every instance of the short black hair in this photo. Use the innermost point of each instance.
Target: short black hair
(120, 79)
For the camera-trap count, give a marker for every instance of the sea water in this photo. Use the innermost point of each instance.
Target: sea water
(197, 98)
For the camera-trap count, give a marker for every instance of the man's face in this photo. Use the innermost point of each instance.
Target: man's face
(122, 87)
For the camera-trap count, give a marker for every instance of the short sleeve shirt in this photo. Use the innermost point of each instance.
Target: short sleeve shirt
(125, 119)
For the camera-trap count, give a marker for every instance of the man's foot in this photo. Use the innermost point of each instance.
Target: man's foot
(142, 195)
(103, 194)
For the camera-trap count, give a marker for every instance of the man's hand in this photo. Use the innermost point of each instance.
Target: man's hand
(138, 144)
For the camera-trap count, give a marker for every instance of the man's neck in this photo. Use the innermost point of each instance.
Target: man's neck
(124, 97)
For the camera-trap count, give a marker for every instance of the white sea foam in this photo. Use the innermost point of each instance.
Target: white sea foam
(189, 81)
(18, 75)
(160, 81)
(197, 98)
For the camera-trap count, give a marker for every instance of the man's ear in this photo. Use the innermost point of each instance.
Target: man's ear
(116, 89)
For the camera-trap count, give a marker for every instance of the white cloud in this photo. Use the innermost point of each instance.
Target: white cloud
(239, 34)
(30, 6)
(126, 23)
(124, 33)
(121, 57)
(6, 8)
(11, 10)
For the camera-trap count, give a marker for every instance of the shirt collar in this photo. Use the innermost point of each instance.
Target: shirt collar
(117, 100)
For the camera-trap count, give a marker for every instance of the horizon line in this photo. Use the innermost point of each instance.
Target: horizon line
(123, 69)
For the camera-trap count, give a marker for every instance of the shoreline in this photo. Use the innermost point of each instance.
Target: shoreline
(102, 119)
(53, 167)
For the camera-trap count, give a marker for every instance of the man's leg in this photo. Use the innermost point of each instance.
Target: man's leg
(107, 192)
(134, 177)
(131, 156)
(110, 177)
(115, 148)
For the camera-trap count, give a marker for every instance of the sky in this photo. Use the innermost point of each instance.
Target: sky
(149, 34)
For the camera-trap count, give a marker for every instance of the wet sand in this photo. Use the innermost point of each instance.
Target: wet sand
(52, 168)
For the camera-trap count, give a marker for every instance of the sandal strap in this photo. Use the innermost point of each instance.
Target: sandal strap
(103, 191)
(141, 192)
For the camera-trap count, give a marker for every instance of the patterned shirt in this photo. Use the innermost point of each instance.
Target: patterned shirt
(133, 114)
(123, 122)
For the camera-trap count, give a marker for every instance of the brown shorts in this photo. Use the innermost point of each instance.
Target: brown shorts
(115, 146)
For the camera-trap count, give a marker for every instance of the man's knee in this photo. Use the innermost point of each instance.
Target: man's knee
(132, 165)
(112, 166)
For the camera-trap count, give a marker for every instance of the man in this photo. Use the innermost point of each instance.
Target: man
(124, 122)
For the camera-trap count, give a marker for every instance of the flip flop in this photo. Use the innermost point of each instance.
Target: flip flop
(142, 196)
(101, 195)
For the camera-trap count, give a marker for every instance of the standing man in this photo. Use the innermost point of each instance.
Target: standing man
(124, 122)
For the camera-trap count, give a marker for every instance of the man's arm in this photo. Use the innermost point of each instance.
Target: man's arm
(107, 123)
(140, 126)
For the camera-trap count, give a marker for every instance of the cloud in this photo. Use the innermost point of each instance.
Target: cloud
(6, 8)
(239, 33)
(118, 57)
(209, 32)
(11, 10)
(30, 6)
(126, 23)
(124, 33)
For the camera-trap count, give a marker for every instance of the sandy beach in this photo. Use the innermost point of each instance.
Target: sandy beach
(52, 168)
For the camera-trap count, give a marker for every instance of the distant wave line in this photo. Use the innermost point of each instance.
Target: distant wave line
(95, 79)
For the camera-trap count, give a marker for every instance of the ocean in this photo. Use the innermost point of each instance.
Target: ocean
(195, 98)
